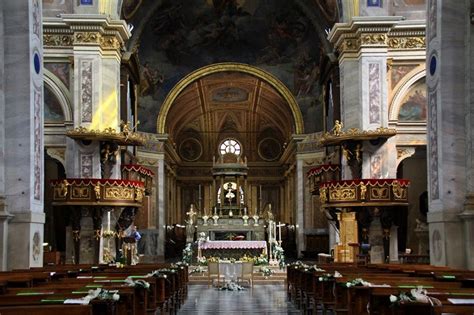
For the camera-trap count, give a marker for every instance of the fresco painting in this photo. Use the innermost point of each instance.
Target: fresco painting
(52, 108)
(272, 35)
(414, 104)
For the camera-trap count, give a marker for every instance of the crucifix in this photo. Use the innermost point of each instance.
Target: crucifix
(191, 214)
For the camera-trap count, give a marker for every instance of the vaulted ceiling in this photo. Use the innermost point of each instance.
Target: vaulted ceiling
(230, 104)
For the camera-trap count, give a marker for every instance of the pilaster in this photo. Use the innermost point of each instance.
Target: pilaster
(450, 135)
(23, 123)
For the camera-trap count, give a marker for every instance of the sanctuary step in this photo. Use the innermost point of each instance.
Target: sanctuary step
(278, 275)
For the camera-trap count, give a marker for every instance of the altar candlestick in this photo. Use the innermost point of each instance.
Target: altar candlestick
(108, 220)
(245, 210)
(279, 231)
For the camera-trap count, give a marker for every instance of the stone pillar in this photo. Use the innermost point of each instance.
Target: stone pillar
(299, 219)
(160, 209)
(450, 134)
(22, 178)
(364, 45)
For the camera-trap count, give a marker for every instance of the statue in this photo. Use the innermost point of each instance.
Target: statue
(358, 153)
(363, 191)
(346, 153)
(268, 214)
(337, 129)
(190, 225)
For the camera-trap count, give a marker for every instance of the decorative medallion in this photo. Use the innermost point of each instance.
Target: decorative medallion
(190, 149)
(269, 149)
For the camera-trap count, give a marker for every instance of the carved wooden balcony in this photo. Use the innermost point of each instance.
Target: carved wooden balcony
(97, 192)
(322, 173)
(364, 193)
(108, 135)
(354, 134)
(137, 172)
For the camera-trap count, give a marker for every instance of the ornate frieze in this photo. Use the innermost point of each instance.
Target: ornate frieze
(364, 193)
(69, 32)
(389, 34)
(103, 192)
(407, 42)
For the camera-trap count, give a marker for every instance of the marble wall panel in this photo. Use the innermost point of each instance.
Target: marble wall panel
(375, 95)
(86, 91)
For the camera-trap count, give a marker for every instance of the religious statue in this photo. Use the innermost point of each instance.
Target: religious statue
(125, 128)
(358, 153)
(363, 191)
(62, 188)
(346, 153)
(190, 224)
(337, 129)
(268, 214)
(97, 191)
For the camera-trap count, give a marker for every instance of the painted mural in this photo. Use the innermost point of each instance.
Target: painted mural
(52, 108)
(414, 104)
(273, 35)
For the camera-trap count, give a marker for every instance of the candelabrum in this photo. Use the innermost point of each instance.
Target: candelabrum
(107, 235)
(255, 219)
(215, 217)
(246, 219)
(205, 218)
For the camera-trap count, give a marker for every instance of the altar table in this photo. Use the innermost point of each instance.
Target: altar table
(232, 249)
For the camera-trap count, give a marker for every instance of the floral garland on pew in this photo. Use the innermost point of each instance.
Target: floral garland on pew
(418, 295)
(359, 282)
(137, 283)
(98, 293)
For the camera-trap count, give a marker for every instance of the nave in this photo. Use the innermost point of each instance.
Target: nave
(262, 299)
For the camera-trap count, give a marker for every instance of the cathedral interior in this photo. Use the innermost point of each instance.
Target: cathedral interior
(339, 128)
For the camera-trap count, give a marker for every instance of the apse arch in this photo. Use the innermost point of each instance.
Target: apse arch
(402, 91)
(231, 67)
(60, 91)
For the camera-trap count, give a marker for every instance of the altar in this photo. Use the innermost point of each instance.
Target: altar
(232, 249)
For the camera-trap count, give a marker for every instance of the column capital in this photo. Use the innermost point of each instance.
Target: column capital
(392, 33)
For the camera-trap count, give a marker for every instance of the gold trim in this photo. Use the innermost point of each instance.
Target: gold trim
(108, 134)
(229, 66)
(356, 134)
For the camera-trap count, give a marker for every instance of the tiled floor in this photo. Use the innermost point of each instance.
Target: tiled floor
(262, 299)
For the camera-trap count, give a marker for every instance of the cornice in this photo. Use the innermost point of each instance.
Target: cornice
(85, 30)
(390, 33)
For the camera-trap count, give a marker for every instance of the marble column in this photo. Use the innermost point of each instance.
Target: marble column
(23, 133)
(299, 219)
(161, 195)
(4, 214)
(450, 135)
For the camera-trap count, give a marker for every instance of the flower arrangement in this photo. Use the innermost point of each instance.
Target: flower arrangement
(359, 282)
(198, 269)
(267, 272)
(202, 261)
(326, 277)
(261, 260)
(246, 258)
(187, 254)
(213, 259)
(279, 255)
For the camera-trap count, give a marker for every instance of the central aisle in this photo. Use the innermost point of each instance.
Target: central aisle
(262, 299)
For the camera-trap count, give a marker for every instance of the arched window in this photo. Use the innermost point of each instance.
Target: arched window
(230, 146)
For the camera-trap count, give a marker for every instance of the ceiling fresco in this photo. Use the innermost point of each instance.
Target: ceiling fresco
(275, 36)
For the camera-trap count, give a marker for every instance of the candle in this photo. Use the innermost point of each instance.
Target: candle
(245, 210)
(256, 212)
(108, 220)
(279, 230)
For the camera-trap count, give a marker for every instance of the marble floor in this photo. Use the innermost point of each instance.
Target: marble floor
(262, 299)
